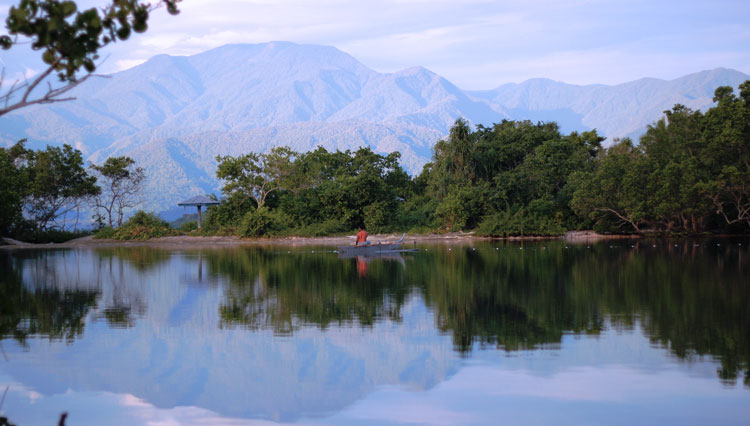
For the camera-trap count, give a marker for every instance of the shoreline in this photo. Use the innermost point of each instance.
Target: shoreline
(188, 241)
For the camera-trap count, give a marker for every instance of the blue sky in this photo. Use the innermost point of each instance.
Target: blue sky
(476, 44)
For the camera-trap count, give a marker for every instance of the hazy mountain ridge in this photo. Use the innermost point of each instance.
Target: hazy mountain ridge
(615, 111)
(175, 114)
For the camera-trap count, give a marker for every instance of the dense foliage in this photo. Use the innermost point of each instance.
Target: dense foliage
(43, 193)
(509, 179)
(42, 189)
(690, 173)
(140, 226)
(315, 193)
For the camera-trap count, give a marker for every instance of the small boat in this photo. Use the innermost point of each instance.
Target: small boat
(367, 249)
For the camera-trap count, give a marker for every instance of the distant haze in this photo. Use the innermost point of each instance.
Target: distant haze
(174, 114)
(476, 44)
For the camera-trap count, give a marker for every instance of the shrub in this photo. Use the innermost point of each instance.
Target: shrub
(452, 213)
(378, 217)
(328, 227)
(142, 226)
(106, 232)
(263, 223)
(507, 224)
(50, 236)
(225, 218)
(416, 215)
(188, 227)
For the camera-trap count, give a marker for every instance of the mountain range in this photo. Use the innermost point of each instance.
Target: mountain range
(174, 114)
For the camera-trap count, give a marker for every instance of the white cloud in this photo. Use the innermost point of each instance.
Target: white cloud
(476, 43)
(124, 64)
(29, 73)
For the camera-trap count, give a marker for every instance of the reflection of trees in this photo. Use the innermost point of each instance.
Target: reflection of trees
(139, 257)
(51, 311)
(516, 299)
(691, 300)
(50, 293)
(118, 268)
(269, 289)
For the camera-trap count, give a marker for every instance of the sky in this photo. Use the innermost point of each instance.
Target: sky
(476, 44)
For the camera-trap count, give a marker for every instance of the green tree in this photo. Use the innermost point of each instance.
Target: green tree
(690, 172)
(514, 169)
(70, 40)
(58, 184)
(347, 189)
(453, 162)
(727, 155)
(12, 188)
(674, 149)
(121, 183)
(616, 189)
(256, 176)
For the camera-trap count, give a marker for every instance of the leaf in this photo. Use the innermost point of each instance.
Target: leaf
(123, 33)
(68, 8)
(48, 56)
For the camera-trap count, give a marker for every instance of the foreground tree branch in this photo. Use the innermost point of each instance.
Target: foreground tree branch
(70, 41)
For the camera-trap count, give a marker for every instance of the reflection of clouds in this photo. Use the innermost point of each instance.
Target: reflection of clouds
(316, 373)
(177, 355)
(177, 359)
(477, 394)
(25, 406)
(490, 394)
(404, 407)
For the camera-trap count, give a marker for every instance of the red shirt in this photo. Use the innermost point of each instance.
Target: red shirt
(361, 236)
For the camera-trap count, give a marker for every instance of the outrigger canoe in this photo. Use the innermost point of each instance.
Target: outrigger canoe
(374, 249)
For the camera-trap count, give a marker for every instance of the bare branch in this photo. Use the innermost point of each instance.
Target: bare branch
(51, 96)
(621, 217)
(39, 79)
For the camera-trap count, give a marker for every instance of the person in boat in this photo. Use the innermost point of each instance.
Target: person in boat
(361, 237)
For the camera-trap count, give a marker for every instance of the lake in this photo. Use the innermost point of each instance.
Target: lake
(619, 332)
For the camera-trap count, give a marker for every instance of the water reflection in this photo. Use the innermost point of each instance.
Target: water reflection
(363, 260)
(53, 306)
(268, 290)
(308, 332)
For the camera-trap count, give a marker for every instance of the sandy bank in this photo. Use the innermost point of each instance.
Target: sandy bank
(185, 241)
(591, 237)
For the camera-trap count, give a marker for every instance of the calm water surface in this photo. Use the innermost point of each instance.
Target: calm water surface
(649, 332)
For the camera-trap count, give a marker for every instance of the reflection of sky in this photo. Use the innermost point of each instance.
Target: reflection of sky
(175, 365)
(177, 355)
(481, 392)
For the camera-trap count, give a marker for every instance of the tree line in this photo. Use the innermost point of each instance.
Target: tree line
(689, 174)
(42, 191)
